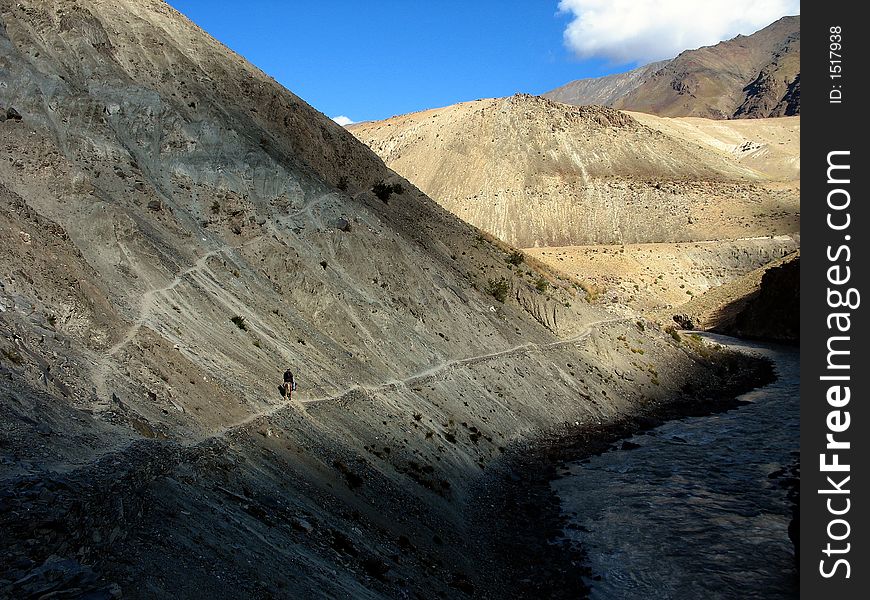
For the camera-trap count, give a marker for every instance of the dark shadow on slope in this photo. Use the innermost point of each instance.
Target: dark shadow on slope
(770, 313)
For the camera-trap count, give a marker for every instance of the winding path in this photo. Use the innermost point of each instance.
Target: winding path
(101, 370)
(419, 377)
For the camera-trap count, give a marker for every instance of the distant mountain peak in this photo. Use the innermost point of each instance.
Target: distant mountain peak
(748, 76)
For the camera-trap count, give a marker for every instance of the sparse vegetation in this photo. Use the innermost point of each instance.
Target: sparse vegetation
(384, 190)
(674, 333)
(515, 258)
(498, 288)
(542, 285)
(342, 183)
(215, 207)
(239, 322)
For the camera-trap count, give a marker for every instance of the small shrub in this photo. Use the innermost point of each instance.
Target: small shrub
(498, 288)
(542, 285)
(674, 333)
(515, 258)
(384, 190)
(240, 322)
(257, 344)
(52, 320)
(215, 207)
(342, 183)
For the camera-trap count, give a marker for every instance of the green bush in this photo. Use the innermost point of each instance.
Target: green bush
(498, 288)
(515, 258)
(542, 285)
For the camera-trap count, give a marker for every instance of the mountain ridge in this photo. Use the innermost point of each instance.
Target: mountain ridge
(535, 172)
(754, 76)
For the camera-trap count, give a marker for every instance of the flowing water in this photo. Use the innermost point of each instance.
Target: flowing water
(699, 509)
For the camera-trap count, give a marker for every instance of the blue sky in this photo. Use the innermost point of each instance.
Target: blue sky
(378, 58)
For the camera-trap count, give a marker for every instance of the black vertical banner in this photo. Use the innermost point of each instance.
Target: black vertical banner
(835, 367)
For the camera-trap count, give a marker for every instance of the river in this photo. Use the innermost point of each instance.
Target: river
(699, 508)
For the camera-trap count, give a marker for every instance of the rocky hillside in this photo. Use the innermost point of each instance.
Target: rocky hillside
(535, 172)
(746, 77)
(768, 146)
(176, 229)
(649, 277)
(605, 90)
(762, 304)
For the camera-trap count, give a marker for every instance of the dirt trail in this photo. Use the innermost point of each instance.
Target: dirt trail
(102, 367)
(434, 370)
(172, 447)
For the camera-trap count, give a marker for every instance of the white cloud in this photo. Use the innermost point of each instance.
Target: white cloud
(646, 30)
(343, 121)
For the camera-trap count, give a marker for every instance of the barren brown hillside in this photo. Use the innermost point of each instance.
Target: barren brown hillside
(649, 277)
(745, 77)
(749, 76)
(534, 172)
(769, 146)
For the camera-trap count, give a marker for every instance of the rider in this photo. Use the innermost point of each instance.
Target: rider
(289, 384)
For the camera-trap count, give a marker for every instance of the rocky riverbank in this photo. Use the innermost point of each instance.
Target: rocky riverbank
(524, 522)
